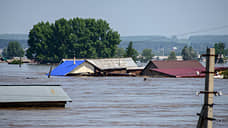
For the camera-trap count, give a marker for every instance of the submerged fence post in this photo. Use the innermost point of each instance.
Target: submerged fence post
(20, 62)
(206, 115)
(49, 74)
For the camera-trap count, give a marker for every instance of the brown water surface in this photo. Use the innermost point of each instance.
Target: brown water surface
(113, 102)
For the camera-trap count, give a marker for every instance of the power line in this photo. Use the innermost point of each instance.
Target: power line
(204, 30)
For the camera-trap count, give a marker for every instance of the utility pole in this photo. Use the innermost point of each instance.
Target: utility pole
(206, 114)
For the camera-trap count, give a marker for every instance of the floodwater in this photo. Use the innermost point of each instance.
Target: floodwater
(113, 102)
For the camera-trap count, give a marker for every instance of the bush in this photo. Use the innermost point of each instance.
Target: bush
(16, 62)
(225, 73)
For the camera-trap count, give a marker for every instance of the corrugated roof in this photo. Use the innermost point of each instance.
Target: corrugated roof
(112, 63)
(173, 64)
(182, 72)
(35, 93)
(66, 67)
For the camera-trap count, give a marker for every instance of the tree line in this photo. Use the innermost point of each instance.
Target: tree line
(14, 49)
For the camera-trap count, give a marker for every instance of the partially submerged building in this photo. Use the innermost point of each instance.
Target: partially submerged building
(33, 96)
(173, 68)
(98, 67)
(69, 67)
(114, 66)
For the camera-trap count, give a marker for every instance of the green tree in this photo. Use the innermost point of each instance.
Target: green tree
(13, 49)
(85, 38)
(219, 48)
(146, 55)
(131, 52)
(172, 56)
(220, 51)
(188, 53)
(4, 52)
(120, 52)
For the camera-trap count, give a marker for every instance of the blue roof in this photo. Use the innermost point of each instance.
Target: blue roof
(66, 67)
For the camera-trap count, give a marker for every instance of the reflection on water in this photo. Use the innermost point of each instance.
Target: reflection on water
(117, 102)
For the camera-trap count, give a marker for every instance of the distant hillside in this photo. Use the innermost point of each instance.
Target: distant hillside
(158, 43)
(21, 38)
(14, 36)
(200, 43)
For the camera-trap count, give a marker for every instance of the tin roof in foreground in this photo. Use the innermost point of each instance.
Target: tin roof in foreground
(34, 93)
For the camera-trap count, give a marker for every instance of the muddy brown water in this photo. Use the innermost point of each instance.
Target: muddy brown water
(113, 102)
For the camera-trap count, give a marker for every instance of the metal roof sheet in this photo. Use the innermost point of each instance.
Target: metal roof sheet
(182, 72)
(112, 63)
(171, 64)
(34, 93)
(66, 67)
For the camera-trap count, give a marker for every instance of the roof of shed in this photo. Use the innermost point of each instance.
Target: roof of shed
(173, 64)
(66, 67)
(34, 93)
(112, 63)
(182, 72)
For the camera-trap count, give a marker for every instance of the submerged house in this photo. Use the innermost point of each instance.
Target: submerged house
(115, 67)
(33, 96)
(98, 67)
(173, 68)
(71, 67)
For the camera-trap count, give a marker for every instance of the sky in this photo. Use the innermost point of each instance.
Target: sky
(128, 17)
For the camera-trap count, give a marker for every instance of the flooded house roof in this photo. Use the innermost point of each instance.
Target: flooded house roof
(174, 64)
(181, 72)
(112, 63)
(66, 67)
(174, 68)
(18, 94)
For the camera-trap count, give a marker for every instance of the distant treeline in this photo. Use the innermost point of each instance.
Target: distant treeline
(159, 44)
(163, 45)
(4, 43)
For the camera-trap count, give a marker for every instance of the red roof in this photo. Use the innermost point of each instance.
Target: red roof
(174, 64)
(182, 72)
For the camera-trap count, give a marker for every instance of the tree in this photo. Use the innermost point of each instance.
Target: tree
(188, 53)
(219, 48)
(146, 54)
(85, 38)
(220, 51)
(131, 52)
(172, 56)
(13, 49)
(120, 52)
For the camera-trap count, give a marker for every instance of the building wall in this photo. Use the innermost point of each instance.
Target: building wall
(83, 68)
(136, 72)
(117, 71)
(147, 71)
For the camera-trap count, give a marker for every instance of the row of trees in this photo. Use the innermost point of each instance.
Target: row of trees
(84, 38)
(13, 49)
(187, 52)
(131, 52)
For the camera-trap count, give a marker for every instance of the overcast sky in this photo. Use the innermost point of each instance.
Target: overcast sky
(128, 17)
